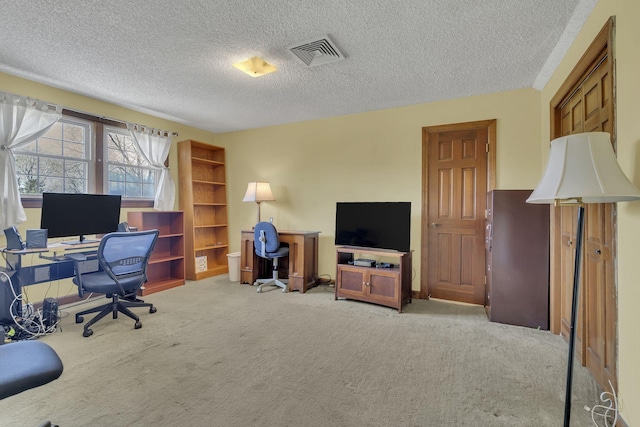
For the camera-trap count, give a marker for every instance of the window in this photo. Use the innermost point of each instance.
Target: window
(128, 173)
(59, 161)
(85, 156)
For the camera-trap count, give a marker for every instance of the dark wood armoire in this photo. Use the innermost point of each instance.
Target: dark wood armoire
(517, 260)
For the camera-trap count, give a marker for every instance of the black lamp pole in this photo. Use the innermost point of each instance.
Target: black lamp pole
(574, 314)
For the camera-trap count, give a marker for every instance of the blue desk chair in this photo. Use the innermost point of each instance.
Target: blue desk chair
(25, 365)
(123, 258)
(267, 245)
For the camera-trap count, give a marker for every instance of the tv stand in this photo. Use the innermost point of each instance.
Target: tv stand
(388, 286)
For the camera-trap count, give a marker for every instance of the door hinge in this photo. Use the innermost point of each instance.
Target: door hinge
(486, 147)
(485, 279)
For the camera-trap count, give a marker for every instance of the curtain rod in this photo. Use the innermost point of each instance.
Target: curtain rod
(101, 119)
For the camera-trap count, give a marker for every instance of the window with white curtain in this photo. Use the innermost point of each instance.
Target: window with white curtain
(59, 161)
(83, 156)
(128, 173)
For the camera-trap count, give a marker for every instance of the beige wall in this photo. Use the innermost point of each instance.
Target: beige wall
(627, 13)
(375, 156)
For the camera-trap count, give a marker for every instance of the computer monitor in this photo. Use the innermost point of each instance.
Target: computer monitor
(66, 214)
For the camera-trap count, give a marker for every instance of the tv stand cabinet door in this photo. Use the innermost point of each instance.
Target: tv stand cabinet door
(384, 287)
(350, 282)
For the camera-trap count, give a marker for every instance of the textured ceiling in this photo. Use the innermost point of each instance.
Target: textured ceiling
(173, 59)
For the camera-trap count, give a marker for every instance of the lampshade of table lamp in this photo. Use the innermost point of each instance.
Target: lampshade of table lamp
(258, 192)
(582, 168)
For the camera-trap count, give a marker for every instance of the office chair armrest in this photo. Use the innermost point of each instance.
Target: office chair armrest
(77, 258)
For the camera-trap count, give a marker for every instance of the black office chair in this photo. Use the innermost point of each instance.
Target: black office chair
(123, 258)
(25, 365)
(267, 245)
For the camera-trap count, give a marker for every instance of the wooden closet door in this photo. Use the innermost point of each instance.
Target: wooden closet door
(571, 123)
(599, 285)
(590, 109)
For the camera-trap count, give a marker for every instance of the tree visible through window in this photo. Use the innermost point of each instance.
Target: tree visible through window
(56, 162)
(129, 174)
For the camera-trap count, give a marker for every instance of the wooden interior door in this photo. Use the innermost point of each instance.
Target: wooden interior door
(456, 187)
(585, 105)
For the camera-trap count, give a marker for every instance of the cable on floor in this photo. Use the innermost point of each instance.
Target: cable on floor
(608, 412)
(31, 324)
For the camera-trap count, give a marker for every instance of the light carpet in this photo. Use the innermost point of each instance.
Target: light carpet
(219, 354)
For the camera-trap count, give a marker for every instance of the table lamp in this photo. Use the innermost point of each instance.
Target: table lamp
(258, 192)
(582, 168)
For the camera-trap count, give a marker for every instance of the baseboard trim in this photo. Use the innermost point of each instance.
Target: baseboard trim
(621, 422)
(416, 295)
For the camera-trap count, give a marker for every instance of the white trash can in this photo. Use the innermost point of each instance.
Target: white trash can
(234, 266)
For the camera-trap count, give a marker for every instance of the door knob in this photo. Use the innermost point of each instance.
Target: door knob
(598, 251)
(435, 224)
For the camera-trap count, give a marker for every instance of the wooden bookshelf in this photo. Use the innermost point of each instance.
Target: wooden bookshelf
(166, 265)
(203, 198)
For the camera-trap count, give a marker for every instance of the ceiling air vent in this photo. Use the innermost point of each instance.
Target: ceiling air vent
(317, 51)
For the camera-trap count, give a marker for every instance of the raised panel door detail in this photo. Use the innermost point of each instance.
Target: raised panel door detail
(446, 193)
(351, 281)
(446, 150)
(469, 147)
(468, 194)
(445, 250)
(467, 259)
(383, 285)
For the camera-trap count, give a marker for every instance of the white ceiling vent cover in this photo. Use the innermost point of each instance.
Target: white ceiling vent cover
(317, 51)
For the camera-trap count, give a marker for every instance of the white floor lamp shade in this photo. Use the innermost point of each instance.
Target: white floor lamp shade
(582, 168)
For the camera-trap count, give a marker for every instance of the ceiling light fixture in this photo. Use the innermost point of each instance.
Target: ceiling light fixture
(255, 66)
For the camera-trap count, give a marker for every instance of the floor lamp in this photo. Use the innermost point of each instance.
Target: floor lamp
(582, 168)
(258, 192)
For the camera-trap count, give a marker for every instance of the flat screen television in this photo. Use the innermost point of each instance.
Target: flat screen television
(378, 225)
(66, 214)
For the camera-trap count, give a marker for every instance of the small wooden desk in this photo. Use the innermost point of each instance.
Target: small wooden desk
(303, 258)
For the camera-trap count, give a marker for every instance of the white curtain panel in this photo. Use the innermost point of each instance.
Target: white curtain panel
(154, 147)
(22, 120)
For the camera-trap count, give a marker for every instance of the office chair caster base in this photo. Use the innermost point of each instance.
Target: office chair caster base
(152, 309)
(138, 325)
(285, 289)
(259, 290)
(87, 333)
(79, 319)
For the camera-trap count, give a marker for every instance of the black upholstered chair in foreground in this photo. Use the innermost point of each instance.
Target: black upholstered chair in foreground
(25, 365)
(267, 245)
(123, 259)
